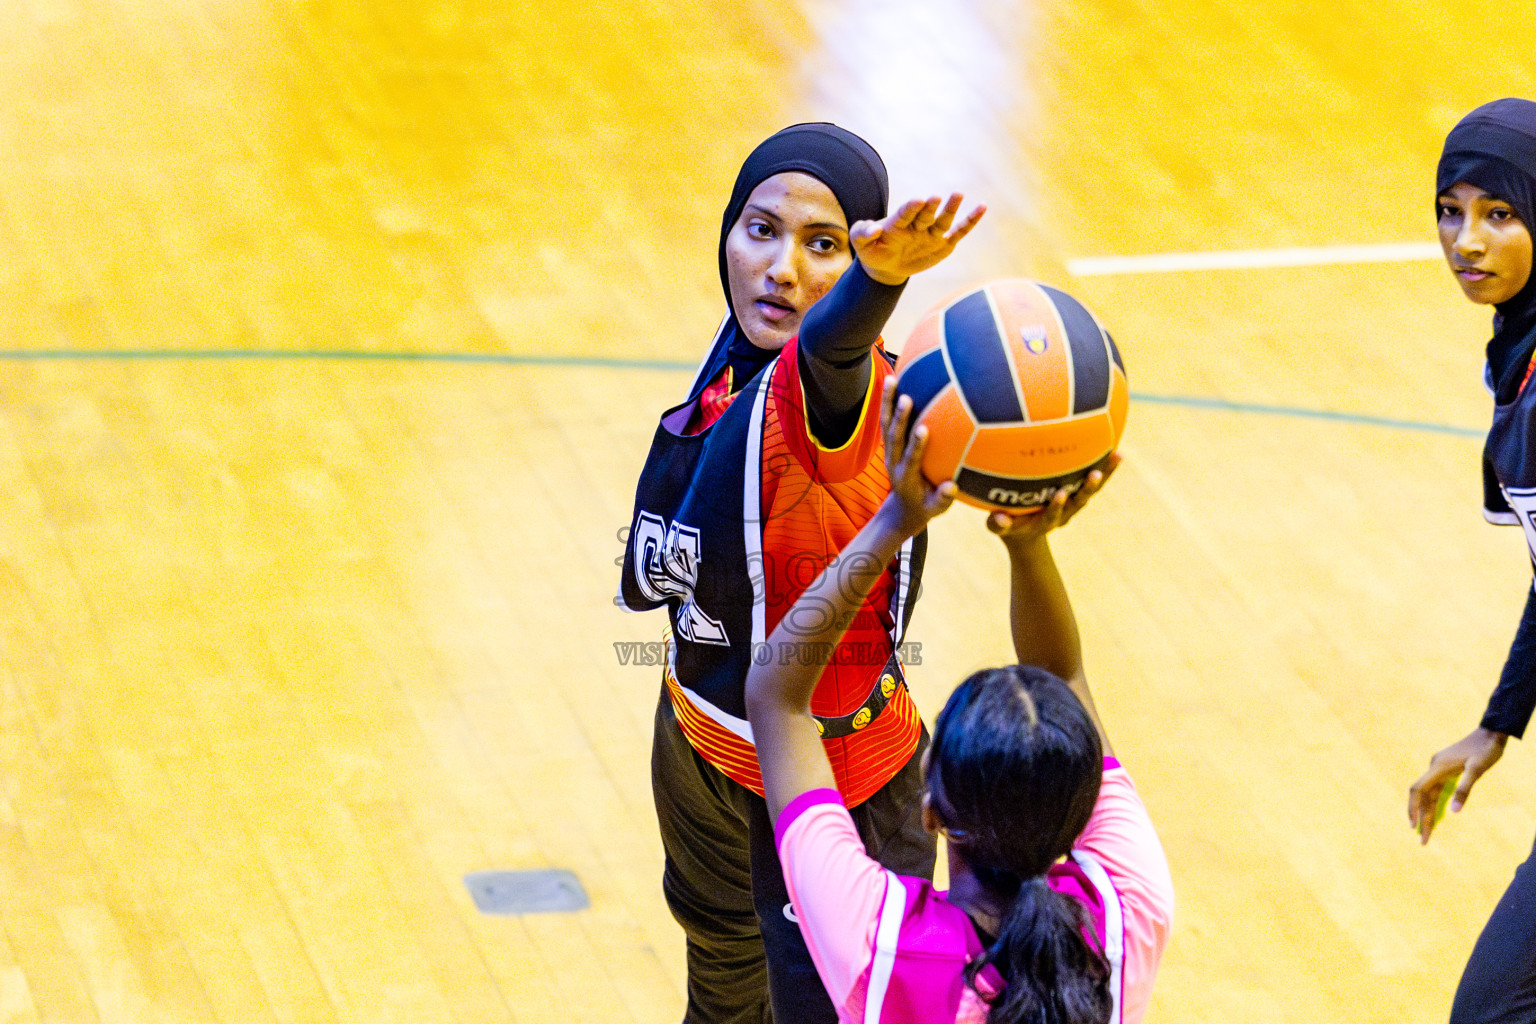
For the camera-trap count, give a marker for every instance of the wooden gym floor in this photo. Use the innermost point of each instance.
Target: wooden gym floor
(334, 336)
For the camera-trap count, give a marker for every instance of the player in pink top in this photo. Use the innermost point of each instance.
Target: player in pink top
(1060, 902)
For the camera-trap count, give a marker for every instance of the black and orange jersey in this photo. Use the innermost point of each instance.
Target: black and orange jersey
(738, 510)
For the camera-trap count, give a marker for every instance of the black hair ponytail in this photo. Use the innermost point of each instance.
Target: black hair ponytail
(1013, 774)
(1052, 974)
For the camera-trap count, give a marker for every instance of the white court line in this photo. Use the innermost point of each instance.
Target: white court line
(1242, 259)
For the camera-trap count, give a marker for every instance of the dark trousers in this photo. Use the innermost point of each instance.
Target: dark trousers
(1499, 984)
(746, 959)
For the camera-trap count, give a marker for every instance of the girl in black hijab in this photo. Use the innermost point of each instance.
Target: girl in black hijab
(836, 342)
(752, 484)
(1486, 209)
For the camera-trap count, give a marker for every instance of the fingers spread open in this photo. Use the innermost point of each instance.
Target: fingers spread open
(906, 213)
(964, 227)
(866, 231)
(946, 215)
(926, 215)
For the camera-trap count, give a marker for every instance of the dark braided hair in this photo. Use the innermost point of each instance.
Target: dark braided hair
(1013, 775)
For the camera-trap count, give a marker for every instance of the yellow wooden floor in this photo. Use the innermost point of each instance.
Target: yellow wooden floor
(289, 645)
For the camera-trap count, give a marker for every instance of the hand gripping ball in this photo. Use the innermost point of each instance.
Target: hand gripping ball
(1022, 390)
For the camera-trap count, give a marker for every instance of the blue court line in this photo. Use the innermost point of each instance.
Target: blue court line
(503, 359)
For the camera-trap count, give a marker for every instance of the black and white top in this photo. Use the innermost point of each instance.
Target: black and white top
(1509, 474)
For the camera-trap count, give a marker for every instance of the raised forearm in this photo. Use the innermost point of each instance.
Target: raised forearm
(835, 343)
(779, 688)
(819, 618)
(1040, 612)
(778, 693)
(1044, 625)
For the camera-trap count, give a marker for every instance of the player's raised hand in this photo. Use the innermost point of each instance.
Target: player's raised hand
(1469, 757)
(1031, 526)
(917, 236)
(912, 501)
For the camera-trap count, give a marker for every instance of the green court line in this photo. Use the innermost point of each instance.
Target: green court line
(666, 366)
(1222, 405)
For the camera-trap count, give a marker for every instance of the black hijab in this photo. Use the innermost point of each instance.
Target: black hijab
(1494, 148)
(837, 158)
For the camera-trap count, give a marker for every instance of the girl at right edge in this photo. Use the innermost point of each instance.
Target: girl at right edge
(1060, 900)
(1485, 207)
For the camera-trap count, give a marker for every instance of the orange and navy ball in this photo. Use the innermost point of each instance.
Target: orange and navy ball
(1022, 390)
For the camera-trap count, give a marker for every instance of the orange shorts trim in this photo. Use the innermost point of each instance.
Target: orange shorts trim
(861, 763)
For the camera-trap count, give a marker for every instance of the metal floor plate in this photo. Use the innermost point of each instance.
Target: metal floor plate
(526, 892)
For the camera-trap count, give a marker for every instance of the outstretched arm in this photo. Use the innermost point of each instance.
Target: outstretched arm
(789, 749)
(1040, 612)
(838, 331)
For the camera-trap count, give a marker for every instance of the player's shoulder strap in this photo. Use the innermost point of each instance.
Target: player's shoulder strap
(714, 359)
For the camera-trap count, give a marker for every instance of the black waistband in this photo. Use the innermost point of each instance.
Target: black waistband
(879, 696)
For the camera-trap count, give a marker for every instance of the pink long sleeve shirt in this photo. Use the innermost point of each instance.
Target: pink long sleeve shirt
(892, 950)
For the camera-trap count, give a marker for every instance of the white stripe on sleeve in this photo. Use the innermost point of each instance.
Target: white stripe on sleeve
(1114, 928)
(885, 947)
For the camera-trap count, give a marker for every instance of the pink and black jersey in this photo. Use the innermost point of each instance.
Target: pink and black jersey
(893, 950)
